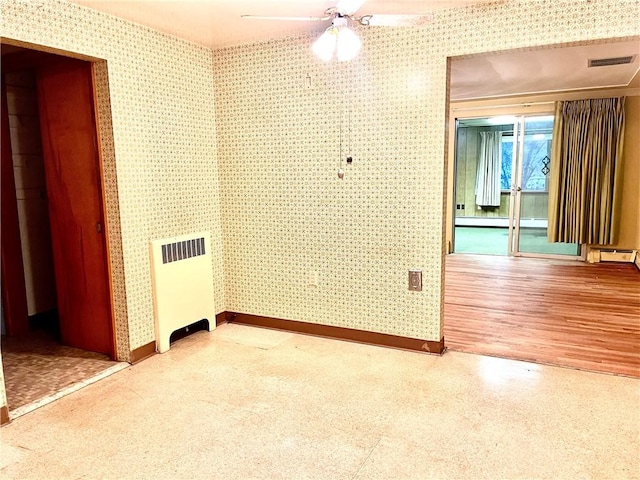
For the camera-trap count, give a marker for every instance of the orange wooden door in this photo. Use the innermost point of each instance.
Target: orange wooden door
(72, 172)
(14, 295)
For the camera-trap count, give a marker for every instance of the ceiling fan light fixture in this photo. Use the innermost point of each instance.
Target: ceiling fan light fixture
(338, 39)
(348, 44)
(325, 45)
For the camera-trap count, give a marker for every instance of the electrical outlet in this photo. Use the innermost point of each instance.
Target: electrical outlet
(415, 280)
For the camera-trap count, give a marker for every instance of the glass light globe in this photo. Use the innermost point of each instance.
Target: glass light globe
(348, 44)
(325, 45)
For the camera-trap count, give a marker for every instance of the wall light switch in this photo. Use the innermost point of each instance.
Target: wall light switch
(415, 280)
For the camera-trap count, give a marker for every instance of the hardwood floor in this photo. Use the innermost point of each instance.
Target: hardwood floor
(556, 312)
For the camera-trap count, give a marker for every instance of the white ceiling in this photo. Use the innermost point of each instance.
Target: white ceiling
(218, 23)
(542, 71)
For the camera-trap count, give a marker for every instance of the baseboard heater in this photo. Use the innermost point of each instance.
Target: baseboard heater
(608, 255)
(182, 277)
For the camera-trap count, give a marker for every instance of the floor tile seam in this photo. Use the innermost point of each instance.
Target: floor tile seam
(364, 462)
(232, 341)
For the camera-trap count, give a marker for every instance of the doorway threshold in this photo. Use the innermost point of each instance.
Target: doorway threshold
(41, 402)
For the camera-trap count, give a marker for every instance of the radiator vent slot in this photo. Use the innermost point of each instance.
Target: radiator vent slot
(607, 62)
(173, 252)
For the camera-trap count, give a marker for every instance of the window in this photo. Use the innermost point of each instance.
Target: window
(507, 160)
(535, 167)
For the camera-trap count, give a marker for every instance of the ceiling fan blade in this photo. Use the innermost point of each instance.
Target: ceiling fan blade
(349, 7)
(375, 20)
(293, 19)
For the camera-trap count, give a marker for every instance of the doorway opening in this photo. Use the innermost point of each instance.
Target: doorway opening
(502, 167)
(57, 325)
(550, 308)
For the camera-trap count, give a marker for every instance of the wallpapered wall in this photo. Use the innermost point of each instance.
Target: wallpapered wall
(286, 213)
(164, 181)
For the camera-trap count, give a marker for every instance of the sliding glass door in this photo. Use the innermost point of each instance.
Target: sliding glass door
(502, 187)
(531, 190)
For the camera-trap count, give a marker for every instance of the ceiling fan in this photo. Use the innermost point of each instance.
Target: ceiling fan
(338, 38)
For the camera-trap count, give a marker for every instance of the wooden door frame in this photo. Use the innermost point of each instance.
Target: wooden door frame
(32, 59)
(103, 207)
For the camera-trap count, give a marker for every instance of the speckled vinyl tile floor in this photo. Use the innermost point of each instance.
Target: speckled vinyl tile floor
(246, 403)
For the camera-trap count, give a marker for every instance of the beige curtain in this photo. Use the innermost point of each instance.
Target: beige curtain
(584, 184)
(489, 169)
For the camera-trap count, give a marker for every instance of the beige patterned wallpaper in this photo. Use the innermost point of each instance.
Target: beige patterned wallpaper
(161, 174)
(282, 117)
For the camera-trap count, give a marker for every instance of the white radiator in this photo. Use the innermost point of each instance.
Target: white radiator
(606, 255)
(182, 278)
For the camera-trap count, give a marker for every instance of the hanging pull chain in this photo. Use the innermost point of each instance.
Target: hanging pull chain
(340, 171)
